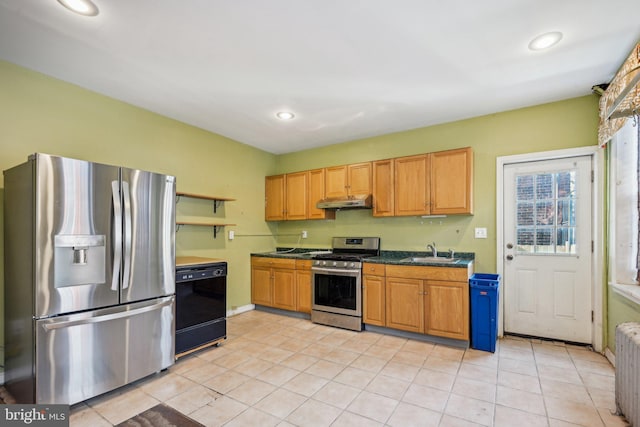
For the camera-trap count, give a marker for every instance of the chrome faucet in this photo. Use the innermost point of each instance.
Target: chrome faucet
(432, 248)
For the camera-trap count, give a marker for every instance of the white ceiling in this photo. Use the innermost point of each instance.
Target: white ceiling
(348, 68)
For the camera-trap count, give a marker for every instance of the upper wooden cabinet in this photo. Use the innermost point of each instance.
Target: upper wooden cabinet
(296, 185)
(294, 196)
(452, 182)
(348, 180)
(383, 191)
(412, 185)
(315, 193)
(274, 198)
(438, 183)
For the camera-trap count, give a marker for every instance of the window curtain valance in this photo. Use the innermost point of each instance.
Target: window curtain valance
(621, 100)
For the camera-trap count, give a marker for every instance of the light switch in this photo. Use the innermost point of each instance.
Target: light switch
(481, 233)
(232, 235)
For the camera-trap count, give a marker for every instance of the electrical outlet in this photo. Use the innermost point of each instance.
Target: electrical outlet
(481, 233)
(304, 234)
(232, 235)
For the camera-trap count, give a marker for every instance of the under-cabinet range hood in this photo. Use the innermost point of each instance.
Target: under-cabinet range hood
(361, 201)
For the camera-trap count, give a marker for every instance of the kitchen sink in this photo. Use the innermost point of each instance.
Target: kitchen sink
(431, 260)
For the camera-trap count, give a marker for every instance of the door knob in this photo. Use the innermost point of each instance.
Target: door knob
(509, 257)
(509, 245)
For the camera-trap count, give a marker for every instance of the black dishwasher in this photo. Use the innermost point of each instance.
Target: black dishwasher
(201, 306)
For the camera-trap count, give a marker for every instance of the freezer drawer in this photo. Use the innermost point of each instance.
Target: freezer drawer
(83, 355)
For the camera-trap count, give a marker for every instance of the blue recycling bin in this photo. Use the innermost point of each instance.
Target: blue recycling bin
(485, 291)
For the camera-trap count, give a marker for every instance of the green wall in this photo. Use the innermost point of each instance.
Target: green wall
(559, 125)
(42, 114)
(620, 310)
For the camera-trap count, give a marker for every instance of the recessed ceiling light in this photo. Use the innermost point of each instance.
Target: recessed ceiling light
(285, 115)
(545, 41)
(83, 7)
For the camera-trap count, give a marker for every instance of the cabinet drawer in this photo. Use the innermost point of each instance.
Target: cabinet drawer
(273, 262)
(373, 269)
(303, 264)
(425, 272)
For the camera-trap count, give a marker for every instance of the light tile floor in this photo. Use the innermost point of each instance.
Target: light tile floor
(280, 371)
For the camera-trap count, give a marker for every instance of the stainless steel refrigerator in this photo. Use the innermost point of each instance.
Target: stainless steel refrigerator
(89, 278)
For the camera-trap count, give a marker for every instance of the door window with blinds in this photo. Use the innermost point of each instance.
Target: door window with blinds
(624, 215)
(545, 206)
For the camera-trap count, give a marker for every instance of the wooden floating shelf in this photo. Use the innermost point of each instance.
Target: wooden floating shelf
(204, 196)
(215, 199)
(215, 226)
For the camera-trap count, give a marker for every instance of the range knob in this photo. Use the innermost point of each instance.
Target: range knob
(352, 265)
(335, 263)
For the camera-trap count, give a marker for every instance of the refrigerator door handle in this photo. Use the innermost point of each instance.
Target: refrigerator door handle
(105, 317)
(127, 235)
(117, 234)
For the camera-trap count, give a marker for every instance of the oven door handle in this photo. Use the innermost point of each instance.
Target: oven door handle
(336, 270)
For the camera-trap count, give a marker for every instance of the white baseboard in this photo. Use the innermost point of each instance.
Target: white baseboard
(241, 309)
(610, 356)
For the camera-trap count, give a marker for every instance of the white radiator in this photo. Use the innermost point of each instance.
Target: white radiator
(628, 371)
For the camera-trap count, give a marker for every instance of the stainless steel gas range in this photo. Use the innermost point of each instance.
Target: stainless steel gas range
(337, 282)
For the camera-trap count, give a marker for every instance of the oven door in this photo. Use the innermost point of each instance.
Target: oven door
(337, 291)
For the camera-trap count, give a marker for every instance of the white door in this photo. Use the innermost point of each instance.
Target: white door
(547, 278)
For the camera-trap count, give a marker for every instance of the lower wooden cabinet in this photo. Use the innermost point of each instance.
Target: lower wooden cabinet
(405, 308)
(284, 289)
(373, 294)
(281, 283)
(429, 300)
(273, 282)
(446, 309)
(303, 285)
(261, 285)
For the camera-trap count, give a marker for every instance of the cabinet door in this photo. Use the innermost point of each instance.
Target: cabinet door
(284, 289)
(373, 300)
(335, 179)
(315, 193)
(412, 185)
(261, 289)
(303, 285)
(452, 181)
(447, 309)
(404, 304)
(296, 195)
(274, 198)
(383, 203)
(359, 178)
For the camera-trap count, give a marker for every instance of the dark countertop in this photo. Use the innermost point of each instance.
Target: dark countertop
(386, 257)
(184, 261)
(397, 257)
(303, 253)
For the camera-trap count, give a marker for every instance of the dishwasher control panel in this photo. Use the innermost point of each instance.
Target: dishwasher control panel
(185, 274)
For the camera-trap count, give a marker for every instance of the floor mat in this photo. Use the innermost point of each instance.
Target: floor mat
(160, 416)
